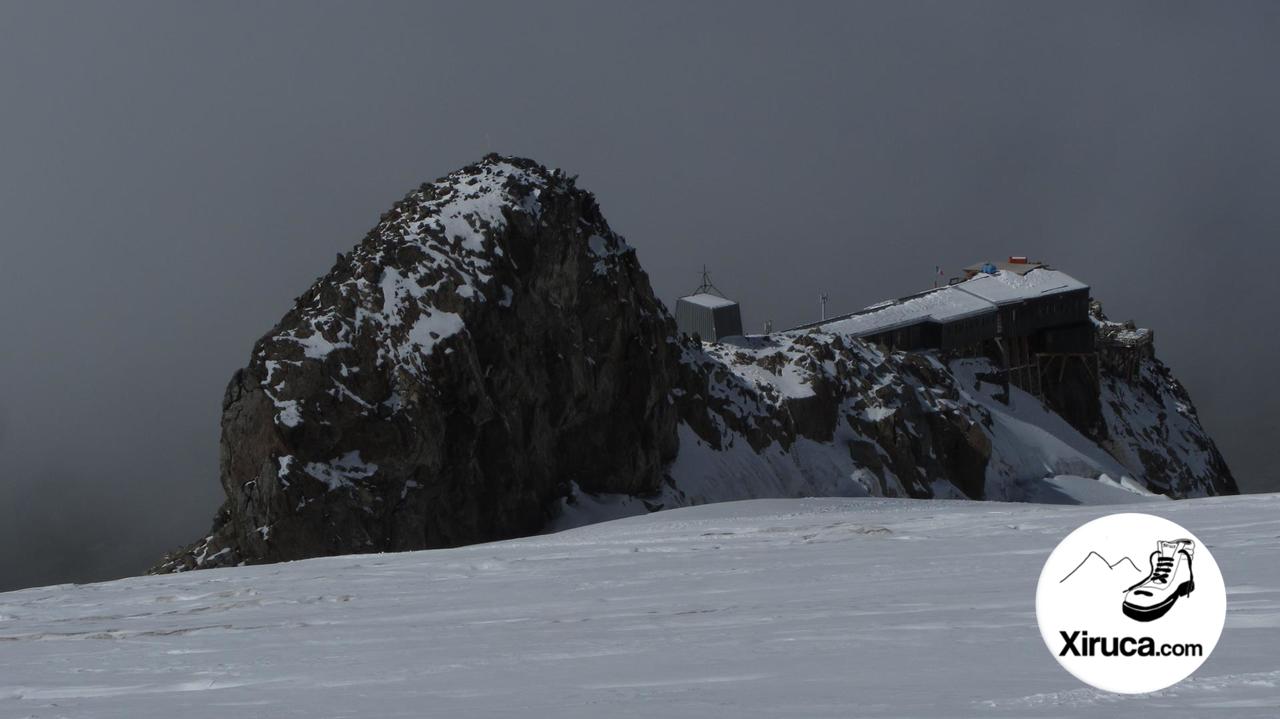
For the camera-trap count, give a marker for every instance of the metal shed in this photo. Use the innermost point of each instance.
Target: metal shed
(709, 316)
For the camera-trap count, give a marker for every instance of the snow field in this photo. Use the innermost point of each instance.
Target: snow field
(768, 608)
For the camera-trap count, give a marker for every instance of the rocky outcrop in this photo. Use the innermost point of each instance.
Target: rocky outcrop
(491, 361)
(893, 424)
(1151, 425)
(490, 342)
(813, 413)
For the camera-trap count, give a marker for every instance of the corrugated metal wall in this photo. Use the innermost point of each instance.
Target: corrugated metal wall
(709, 324)
(728, 321)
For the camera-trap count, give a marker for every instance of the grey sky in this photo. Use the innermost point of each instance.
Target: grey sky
(174, 174)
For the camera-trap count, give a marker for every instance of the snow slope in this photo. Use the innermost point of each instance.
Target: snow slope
(770, 608)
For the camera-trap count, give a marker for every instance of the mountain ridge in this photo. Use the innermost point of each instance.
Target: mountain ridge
(490, 361)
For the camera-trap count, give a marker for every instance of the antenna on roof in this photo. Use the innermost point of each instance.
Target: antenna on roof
(706, 286)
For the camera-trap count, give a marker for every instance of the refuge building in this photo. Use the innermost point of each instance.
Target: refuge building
(707, 313)
(1024, 313)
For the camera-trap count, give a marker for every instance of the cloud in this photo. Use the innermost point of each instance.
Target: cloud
(175, 176)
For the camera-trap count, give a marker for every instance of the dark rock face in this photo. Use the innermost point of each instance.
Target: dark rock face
(1150, 423)
(1071, 389)
(1130, 404)
(1153, 427)
(491, 358)
(489, 342)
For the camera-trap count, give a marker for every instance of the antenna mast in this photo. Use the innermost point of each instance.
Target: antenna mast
(706, 286)
(822, 298)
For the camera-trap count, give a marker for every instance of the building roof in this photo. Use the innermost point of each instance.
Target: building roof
(945, 304)
(1005, 287)
(702, 299)
(976, 296)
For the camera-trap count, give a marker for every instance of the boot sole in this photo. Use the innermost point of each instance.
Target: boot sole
(1150, 614)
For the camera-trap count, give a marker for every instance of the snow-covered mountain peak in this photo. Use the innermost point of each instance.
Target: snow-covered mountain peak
(448, 378)
(491, 361)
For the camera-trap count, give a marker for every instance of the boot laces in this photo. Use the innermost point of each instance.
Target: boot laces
(1164, 565)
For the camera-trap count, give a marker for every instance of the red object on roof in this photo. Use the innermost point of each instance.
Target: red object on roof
(1017, 259)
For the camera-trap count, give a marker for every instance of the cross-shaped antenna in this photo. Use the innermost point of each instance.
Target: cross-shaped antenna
(706, 285)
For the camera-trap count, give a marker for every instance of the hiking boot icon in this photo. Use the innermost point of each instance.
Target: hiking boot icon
(1169, 579)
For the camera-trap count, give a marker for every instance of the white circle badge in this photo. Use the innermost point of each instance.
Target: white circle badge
(1131, 603)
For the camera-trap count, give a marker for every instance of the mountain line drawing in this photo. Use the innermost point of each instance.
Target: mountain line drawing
(1110, 565)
